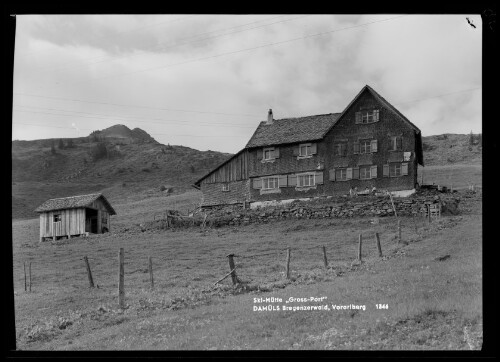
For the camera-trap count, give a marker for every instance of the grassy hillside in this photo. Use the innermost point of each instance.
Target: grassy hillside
(131, 168)
(449, 148)
(431, 304)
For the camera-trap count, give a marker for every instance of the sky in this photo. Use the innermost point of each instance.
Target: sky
(206, 81)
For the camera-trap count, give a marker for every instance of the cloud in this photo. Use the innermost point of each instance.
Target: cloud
(163, 62)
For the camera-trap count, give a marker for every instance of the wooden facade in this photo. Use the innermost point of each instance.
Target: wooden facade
(234, 169)
(383, 152)
(94, 217)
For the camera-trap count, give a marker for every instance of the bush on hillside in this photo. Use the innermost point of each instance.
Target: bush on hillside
(98, 152)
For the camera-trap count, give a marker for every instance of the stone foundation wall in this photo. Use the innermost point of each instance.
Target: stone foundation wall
(355, 207)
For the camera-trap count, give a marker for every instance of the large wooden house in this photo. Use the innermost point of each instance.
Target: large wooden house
(75, 216)
(370, 144)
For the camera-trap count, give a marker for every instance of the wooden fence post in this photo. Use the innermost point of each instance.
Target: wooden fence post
(25, 286)
(288, 255)
(231, 268)
(379, 247)
(325, 260)
(399, 231)
(151, 272)
(30, 276)
(121, 282)
(89, 272)
(392, 202)
(359, 247)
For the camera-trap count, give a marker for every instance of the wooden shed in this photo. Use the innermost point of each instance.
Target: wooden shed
(75, 216)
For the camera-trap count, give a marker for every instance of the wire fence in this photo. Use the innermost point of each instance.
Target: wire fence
(285, 259)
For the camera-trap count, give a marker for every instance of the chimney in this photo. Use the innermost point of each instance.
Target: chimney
(270, 117)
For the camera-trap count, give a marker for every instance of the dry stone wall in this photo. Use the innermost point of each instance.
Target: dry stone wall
(352, 207)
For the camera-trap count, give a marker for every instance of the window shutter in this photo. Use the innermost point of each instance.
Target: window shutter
(276, 152)
(282, 181)
(373, 145)
(358, 117)
(389, 143)
(257, 183)
(386, 171)
(356, 147)
(373, 171)
(355, 173)
(292, 180)
(399, 143)
(349, 174)
(343, 149)
(331, 173)
(314, 148)
(318, 178)
(375, 115)
(404, 168)
(296, 150)
(260, 154)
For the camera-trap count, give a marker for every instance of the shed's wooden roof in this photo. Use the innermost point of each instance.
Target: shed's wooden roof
(292, 130)
(74, 202)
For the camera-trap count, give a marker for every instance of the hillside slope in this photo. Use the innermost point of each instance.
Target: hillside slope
(450, 148)
(131, 164)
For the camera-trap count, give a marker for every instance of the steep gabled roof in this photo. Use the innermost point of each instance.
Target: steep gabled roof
(378, 97)
(292, 130)
(311, 128)
(384, 102)
(74, 202)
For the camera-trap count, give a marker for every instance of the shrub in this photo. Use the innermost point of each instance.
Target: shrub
(99, 151)
(61, 144)
(162, 188)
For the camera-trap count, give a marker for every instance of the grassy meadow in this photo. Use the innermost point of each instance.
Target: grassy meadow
(432, 304)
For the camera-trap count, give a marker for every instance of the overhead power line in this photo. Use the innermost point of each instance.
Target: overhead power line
(440, 95)
(151, 134)
(136, 106)
(242, 50)
(134, 119)
(111, 117)
(175, 44)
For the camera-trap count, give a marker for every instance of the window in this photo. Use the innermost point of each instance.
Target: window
(269, 183)
(365, 146)
(268, 153)
(305, 180)
(394, 169)
(225, 187)
(104, 219)
(341, 149)
(341, 174)
(364, 117)
(57, 217)
(305, 150)
(396, 143)
(365, 172)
